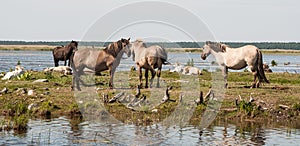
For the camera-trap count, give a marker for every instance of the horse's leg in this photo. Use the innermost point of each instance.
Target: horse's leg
(255, 75)
(225, 75)
(56, 62)
(111, 73)
(254, 80)
(69, 62)
(153, 73)
(76, 78)
(139, 69)
(146, 77)
(65, 60)
(158, 76)
(73, 81)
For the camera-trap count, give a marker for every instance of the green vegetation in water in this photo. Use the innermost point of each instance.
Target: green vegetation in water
(273, 63)
(190, 62)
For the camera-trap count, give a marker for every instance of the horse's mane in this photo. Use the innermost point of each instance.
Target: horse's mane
(216, 46)
(143, 43)
(113, 48)
(70, 45)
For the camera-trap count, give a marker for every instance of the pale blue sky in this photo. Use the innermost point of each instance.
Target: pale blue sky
(228, 20)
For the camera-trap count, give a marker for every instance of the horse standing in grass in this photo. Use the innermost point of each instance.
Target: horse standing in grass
(237, 58)
(99, 60)
(62, 53)
(148, 58)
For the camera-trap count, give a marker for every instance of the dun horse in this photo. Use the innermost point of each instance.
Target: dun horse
(99, 60)
(62, 53)
(148, 58)
(237, 58)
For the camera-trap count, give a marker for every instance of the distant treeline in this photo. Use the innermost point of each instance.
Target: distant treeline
(262, 45)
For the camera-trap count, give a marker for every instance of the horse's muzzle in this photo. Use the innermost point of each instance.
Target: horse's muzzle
(203, 56)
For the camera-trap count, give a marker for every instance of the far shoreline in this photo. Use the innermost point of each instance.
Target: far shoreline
(179, 50)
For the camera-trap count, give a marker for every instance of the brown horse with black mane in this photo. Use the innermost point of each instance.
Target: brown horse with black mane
(62, 53)
(99, 60)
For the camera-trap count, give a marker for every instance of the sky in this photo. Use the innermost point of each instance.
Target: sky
(165, 20)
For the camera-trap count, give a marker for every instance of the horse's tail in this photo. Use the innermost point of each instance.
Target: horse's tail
(164, 56)
(72, 59)
(165, 62)
(260, 69)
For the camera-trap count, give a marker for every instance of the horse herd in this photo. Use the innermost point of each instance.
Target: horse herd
(153, 57)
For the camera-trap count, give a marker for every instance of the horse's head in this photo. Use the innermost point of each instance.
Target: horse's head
(73, 45)
(211, 46)
(206, 50)
(126, 46)
(135, 46)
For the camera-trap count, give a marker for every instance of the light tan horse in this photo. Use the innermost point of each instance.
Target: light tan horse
(99, 60)
(237, 58)
(148, 58)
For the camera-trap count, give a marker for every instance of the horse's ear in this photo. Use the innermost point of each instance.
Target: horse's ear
(129, 39)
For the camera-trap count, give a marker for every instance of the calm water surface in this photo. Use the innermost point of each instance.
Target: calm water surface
(38, 60)
(64, 131)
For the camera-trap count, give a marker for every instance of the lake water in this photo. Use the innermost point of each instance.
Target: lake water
(65, 131)
(38, 60)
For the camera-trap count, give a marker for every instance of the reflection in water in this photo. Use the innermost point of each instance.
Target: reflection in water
(59, 131)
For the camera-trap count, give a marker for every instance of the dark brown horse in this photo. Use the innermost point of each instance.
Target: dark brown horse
(62, 53)
(99, 60)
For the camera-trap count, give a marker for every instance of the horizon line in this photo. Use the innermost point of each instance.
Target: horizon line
(153, 41)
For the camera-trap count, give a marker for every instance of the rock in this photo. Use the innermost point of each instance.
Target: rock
(30, 93)
(47, 93)
(41, 80)
(21, 91)
(154, 110)
(32, 105)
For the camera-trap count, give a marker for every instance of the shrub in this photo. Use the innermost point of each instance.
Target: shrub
(273, 63)
(245, 106)
(296, 107)
(24, 77)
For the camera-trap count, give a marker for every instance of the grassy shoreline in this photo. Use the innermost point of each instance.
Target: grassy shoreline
(179, 50)
(278, 100)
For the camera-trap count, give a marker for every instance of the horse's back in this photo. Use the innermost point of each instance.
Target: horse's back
(238, 58)
(85, 54)
(157, 51)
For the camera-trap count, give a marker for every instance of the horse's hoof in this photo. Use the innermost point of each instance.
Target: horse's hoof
(146, 87)
(253, 86)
